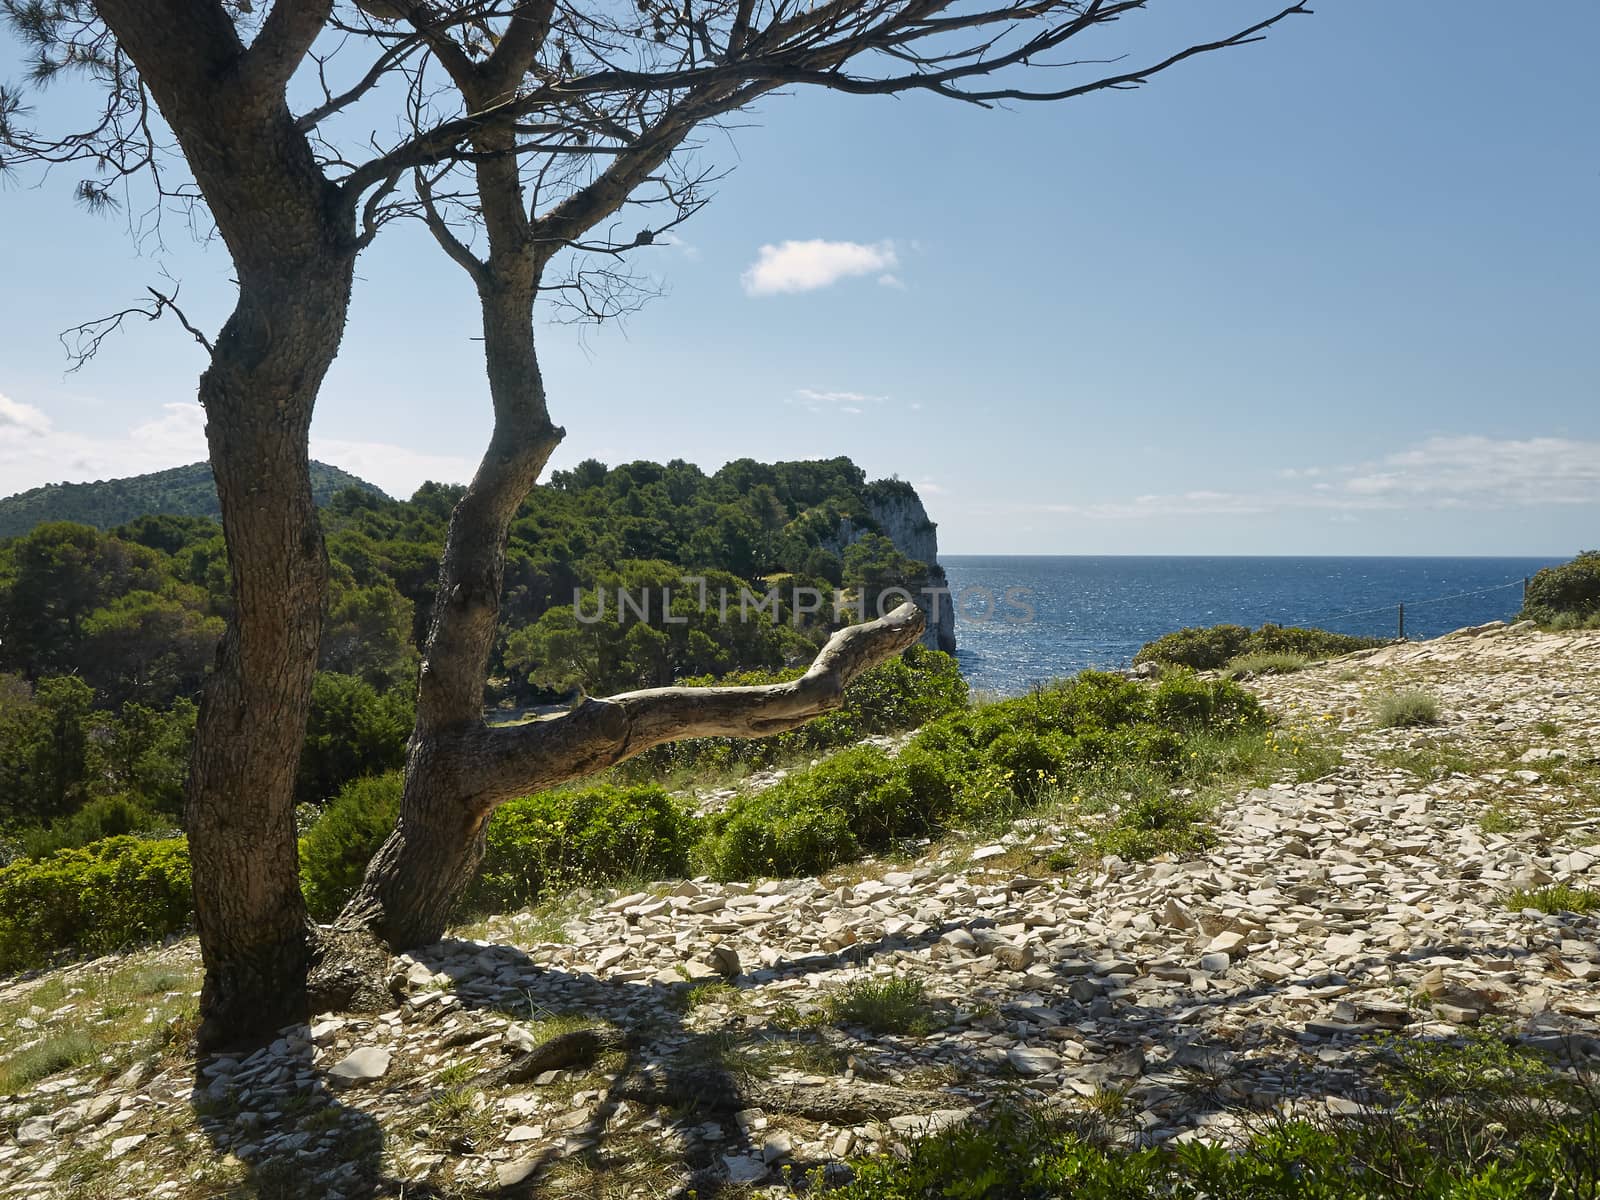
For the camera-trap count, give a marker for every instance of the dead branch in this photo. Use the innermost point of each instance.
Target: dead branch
(510, 762)
(82, 342)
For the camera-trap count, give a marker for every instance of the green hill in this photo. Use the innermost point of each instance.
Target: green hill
(182, 491)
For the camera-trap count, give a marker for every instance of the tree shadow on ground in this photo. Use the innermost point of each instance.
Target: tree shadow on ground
(663, 1110)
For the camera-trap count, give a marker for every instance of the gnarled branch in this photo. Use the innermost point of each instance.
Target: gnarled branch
(510, 762)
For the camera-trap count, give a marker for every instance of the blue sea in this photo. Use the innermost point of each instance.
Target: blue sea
(1098, 611)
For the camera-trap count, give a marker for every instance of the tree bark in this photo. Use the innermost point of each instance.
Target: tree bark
(258, 395)
(291, 235)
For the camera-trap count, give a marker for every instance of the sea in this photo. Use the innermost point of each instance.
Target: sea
(1024, 620)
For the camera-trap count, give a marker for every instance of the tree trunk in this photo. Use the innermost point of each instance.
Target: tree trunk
(421, 870)
(258, 395)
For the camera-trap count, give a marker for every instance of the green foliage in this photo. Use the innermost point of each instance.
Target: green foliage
(108, 816)
(617, 637)
(579, 836)
(1570, 592)
(533, 846)
(353, 730)
(1156, 824)
(182, 491)
(888, 1004)
(1212, 647)
(977, 763)
(1404, 709)
(1561, 898)
(44, 746)
(100, 898)
(334, 852)
(368, 634)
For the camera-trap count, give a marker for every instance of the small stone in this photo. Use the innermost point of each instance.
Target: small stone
(122, 1145)
(509, 1174)
(1455, 1013)
(33, 1131)
(1033, 1060)
(367, 1062)
(1015, 958)
(744, 1168)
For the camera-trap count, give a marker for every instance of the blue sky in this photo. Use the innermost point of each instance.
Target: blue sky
(1338, 292)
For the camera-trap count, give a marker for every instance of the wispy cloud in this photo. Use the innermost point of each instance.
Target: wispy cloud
(34, 452)
(805, 266)
(1463, 473)
(850, 403)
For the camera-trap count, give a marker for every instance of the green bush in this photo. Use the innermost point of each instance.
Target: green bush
(1569, 593)
(1213, 647)
(334, 852)
(977, 764)
(353, 730)
(96, 899)
(109, 816)
(579, 836)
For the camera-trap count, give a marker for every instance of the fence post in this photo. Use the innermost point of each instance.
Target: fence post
(1402, 622)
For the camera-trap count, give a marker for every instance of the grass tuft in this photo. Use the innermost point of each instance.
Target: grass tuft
(1266, 662)
(56, 1053)
(1563, 897)
(892, 1004)
(1405, 709)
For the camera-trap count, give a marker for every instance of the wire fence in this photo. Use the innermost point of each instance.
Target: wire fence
(1400, 607)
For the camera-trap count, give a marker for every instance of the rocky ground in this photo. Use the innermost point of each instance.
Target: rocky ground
(690, 1035)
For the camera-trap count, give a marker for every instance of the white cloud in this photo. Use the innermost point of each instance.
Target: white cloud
(1468, 473)
(34, 452)
(14, 416)
(805, 266)
(850, 403)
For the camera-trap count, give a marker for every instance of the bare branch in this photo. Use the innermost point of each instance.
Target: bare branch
(82, 342)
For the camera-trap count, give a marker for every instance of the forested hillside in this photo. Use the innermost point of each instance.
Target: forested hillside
(105, 637)
(181, 492)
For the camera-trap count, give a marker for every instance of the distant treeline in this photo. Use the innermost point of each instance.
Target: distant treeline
(179, 492)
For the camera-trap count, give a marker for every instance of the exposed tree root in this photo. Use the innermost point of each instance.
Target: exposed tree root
(837, 1101)
(349, 972)
(577, 1049)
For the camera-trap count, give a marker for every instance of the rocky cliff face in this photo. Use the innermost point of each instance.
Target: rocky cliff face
(902, 519)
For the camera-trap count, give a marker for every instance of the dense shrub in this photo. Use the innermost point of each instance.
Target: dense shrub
(555, 839)
(353, 730)
(334, 852)
(1570, 591)
(576, 836)
(110, 816)
(96, 899)
(1210, 648)
(973, 764)
(904, 693)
